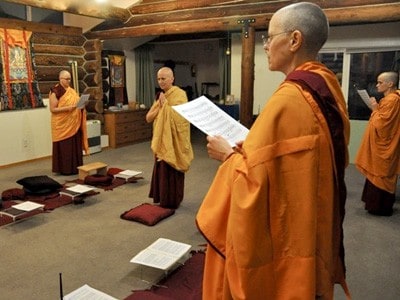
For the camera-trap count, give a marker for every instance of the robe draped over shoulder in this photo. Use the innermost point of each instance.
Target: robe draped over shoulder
(171, 133)
(66, 124)
(272, 224)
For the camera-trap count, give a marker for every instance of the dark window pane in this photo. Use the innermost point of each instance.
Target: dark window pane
(364, 69)
(12, 11)
(334, 61)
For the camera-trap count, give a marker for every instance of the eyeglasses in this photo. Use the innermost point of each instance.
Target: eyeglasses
(267, 39)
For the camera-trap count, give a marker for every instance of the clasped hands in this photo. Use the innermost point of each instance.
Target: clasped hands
(161, 99)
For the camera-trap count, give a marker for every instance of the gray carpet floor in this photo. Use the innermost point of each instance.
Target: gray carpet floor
(91, 244)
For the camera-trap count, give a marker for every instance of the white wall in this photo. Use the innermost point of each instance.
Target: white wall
(25, 135)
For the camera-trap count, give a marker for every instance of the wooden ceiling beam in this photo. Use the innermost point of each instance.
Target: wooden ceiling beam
(88, 8)
(269, 6)
(148, 7)
(336, 16)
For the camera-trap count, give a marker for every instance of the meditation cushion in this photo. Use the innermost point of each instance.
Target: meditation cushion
(98, 180)
(42, 184)
(13, 194)
(147, 214)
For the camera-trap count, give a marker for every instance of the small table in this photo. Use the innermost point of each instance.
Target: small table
(21, 209)
(99, 167)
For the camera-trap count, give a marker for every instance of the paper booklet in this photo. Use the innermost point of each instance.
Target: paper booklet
(365, 97)
(162, 254)
(128, 174)
(86, 292)
(83, 100)
(80, 188)
(28, 206)
(212, 120)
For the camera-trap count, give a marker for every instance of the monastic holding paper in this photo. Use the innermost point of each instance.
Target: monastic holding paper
(212, 120)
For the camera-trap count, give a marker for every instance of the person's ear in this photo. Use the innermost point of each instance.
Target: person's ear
(296, 40)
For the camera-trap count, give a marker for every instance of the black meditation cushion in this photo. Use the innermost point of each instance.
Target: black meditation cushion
(147, 214)
(98, 180)
(39, 184)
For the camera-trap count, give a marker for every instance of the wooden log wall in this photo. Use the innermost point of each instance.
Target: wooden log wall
(55, 47)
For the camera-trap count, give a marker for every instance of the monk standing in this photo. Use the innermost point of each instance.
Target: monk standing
(68, 127)
(170, 143)
(273, 215)
(378, 157)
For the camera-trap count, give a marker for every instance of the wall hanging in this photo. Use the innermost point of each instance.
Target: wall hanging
(19, 89)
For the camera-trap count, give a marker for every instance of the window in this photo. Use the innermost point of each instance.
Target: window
(364, 69)
(334, 61)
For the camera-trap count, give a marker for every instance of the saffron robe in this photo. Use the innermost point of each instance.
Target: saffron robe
(171, 133)
(270, 219)
(69, 133)
(66, 124)
(378, 157)
(172, 150)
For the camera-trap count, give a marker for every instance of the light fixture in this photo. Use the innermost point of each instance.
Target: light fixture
(228, 48)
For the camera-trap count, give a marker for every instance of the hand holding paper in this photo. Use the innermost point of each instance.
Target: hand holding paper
(83, 100)
(366, 98)
(212, 120)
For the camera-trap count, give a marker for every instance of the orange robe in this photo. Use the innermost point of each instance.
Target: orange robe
(66, 124)
(378, 157)
(270, 219)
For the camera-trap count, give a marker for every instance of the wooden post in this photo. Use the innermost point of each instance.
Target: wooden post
(247, 84)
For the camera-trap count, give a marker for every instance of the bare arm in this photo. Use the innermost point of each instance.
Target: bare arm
(218, 148)
(54, 105)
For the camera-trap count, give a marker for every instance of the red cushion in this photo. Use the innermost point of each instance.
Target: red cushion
(113, 171)
(147, 214)
(13, 194)
(98, 180)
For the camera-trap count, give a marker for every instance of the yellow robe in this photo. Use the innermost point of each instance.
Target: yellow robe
(66, 124)
(378, 157)
(171, 133)
(272, 226)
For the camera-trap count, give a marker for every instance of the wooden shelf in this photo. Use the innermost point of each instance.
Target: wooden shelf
(127, 127)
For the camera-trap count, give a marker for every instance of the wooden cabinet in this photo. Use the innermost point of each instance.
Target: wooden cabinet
(127, 127)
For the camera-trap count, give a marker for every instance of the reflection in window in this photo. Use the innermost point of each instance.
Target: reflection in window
(364, 69)
(334, 61)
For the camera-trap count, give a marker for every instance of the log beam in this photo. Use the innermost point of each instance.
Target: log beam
(337, 16)
(247, 83)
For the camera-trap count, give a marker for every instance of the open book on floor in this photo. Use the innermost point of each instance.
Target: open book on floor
(162, 254)
(77, 190)
(128, 174)
(86, 292)
(22, 208)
